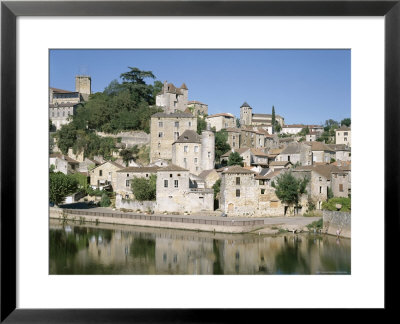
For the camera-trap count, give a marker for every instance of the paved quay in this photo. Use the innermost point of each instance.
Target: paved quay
(197, 222)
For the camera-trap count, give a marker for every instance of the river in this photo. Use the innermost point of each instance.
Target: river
(117, 249)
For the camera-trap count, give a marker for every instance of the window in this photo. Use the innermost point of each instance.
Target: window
(345, 139)
(176, 124)
(190, 124)
(100, 173)
(341, 187)
(160, 124)
(237, 192)
(234, 137)
(288, 158)
(346, 134)
(176, 135)
(238, 180)
(209, 154)
(147, 175)
(195, 160)
(176, 183)
(170, 175)
(196, 149)
(160, 134)
(320, 189)
(233, 144)
(262, 191)
(320, 178)
(127, 174)
(185, 148)
(127, 183)
(165, 183)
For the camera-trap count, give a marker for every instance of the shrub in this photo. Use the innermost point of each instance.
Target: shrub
(105, 200)
(331, 204)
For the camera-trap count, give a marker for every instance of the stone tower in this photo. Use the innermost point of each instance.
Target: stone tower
(83, 85)
(207, 149)
(246, 113)
(184, 91)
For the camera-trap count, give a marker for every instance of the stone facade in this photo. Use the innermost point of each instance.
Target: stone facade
(83, 85)
(121, 202)
(210, 177)
(172, 99)
(63, 163)
(321, 152)
(175, 195)
(105, 175)
(125, 176)
(341, 183)
(343, 135)
(165, 129)
(129, 138)
(197, 108)
(251, 138)
(233, 137)
(337, 222)
(296, 153)
(221, 121)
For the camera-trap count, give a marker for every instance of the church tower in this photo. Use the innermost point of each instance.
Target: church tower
(246, 113)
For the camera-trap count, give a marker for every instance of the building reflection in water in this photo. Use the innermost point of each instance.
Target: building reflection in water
(113, 249)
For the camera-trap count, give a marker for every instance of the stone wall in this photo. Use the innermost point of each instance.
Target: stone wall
(334, 221)
(134, 205)
(130, 138)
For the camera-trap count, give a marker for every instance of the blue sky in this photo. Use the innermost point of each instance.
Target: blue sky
(305, 86)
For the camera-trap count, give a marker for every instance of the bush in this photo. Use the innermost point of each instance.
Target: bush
(105, 200)
(331, 204)
(144, 189)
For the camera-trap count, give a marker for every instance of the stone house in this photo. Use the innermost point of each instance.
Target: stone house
(321, 152)
(175, 195)
(221, 121)
(258, 157)
(269, 203)
(342, 152)
(233, 137)
(165, 129)
(319, 181)
(104, 176)
(244, 152)
(252, 138)
(210, 177)
(172, 99)
(125, 176)
(197, 108)
(63, 163)
(341, 184)
(292, 129)
(296, 153)
(280, 165)
(247, 118)
(194, 152)
(239, 192)
(160, 163)
(312, 136)
(343, 135)
(88, 164)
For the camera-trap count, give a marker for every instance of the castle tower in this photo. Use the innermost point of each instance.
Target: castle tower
(246, 113)
(207, 149)
(83, 85)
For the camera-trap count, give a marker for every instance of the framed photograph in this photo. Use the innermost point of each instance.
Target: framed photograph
(194, 116)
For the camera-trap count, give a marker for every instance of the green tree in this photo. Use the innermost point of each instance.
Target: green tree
(289, 189)
(60, 186)
(221, 144)
(237, 122)
(217, 187)
(346, 122)
(144, 189)
(273, 120)
(129, 154)
(105, 200)
(235, 159)
(305, 131)
(201, 125)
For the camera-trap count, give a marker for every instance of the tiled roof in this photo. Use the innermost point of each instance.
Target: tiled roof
(344, 128)
(140, 169)
(319, 146)
(292, 148)
(56, 90)
(189, 136)
(269, 175)
(245, 104)
(237, 170)
(258, 152)
(172, 167)
(173, 115)
(239, 150)
(221, 114)
(233, 129)
(324, 169)
(183, 86)
(196, 102)
(204, 174)
(63, 157)
(280, 163)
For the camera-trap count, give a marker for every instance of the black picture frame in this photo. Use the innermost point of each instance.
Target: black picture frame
(10, 10)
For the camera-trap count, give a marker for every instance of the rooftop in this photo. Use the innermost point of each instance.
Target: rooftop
(147, 169)
(179, 114)
(189, 136)
(171, 167)
(235, 169)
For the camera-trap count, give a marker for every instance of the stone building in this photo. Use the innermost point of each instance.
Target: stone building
(312, 136)
(292, 129)
(321, 152)
(174, 193)
(194, 152)
(221, 121)
(63, 163)
(269, 203)
(125, 176)
(239, 192)
(197, 108)
(343, 135)
(244, 152)
(233, 137)
(342, 152)
(173, 99)
(280, 165)
(252, 138)
(296, 153)
(341, 183)
(247, 118)
(165, 129)
(104, 176)
(320, 181)
(63, 103)
(210, 177)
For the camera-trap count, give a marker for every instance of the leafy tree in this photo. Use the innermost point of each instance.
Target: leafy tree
(235, 159)
(129, 154)
(289, 189)
(105, 200)
(278, 127)
(61, 185)
(237, 122)
(221, 144)
(144, 189)
(304, 131)
(346, 122)
(201, 125)
(52, 128)
(217, 187)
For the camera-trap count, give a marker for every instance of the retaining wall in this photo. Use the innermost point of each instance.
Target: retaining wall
(334, 221)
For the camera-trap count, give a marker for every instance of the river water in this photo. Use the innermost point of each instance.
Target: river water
(114, 249)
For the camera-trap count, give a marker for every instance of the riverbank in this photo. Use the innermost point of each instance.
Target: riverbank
(200, 222)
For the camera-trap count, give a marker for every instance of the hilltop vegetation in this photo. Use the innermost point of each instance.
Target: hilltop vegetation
(120, 107)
